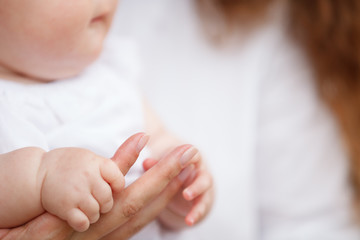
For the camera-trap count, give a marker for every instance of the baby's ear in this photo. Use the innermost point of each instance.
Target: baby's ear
(129, 151)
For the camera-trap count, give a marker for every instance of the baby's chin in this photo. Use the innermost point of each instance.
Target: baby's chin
(51, 68)
(51, 75)
(46, 77)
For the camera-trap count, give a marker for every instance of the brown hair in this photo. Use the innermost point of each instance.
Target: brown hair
(329, 33)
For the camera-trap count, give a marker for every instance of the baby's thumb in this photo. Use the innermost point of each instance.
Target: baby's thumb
(128, 152)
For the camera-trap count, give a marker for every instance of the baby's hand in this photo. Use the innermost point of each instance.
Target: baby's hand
(194, 202)
(78, 185)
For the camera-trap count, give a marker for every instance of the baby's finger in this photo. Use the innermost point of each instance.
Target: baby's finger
(147, 214)
(143, 192)
(129, 151)
(200, 208)
(78, 220)
(91, 208)
(103, 195)
(201, 184)
(112, 174)
(149, 163)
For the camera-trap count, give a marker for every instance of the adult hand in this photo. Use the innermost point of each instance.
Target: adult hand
(133, 208)
(166, 175)
(193, 201)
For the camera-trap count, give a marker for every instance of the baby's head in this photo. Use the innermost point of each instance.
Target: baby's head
(52, 39)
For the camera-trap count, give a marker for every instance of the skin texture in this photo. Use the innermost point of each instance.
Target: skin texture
(57, 39)
(193, 201)
(87, 182)
(195, 198)
(53, 39)
(71, 183)
(131, 210)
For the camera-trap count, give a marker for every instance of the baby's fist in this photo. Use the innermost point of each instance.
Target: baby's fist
(79, 185)
(113, 176)
(101, 198)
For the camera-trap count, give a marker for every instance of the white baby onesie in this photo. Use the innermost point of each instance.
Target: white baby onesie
(97, 110)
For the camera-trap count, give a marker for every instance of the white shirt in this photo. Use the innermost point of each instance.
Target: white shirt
(279, 165)
(97, 110)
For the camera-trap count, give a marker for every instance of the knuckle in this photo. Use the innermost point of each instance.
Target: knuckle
(107, 206)
(167, 175)
(89, 205)
(106, 198)
(130, 209)
(108, 166)
(107, 163)
(81, 225)
(121, 183)
(81, 153)
(86, 174)
(101, 192)
(94, 217)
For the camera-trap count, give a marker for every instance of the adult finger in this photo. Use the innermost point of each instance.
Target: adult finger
(148, 213)
(202, 182)
(140, 193)
(157, 178)
(46, 226)
(200, 208)
(129, 151)
(149, 163)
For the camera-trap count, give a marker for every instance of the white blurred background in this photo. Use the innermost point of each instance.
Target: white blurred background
(252, 109)
(195, 89)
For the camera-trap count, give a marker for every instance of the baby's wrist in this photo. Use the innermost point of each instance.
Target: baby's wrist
(42, 169)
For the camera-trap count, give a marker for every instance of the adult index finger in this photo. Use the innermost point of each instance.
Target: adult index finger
(141, 192)
(129, 151)
(155, 180)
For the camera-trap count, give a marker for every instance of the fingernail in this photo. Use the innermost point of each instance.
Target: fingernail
(188, 155)
(142, 142)
(190, 222)
(184, 174)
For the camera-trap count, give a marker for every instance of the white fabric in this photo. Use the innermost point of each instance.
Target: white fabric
(97, 110)
(279, 166)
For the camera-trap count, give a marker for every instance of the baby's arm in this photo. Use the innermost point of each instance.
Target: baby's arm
(73, 184)
(20, 186)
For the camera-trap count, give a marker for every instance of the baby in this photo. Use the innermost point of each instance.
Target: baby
(61, 111)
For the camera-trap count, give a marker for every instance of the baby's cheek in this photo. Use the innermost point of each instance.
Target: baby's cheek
(58, 23)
